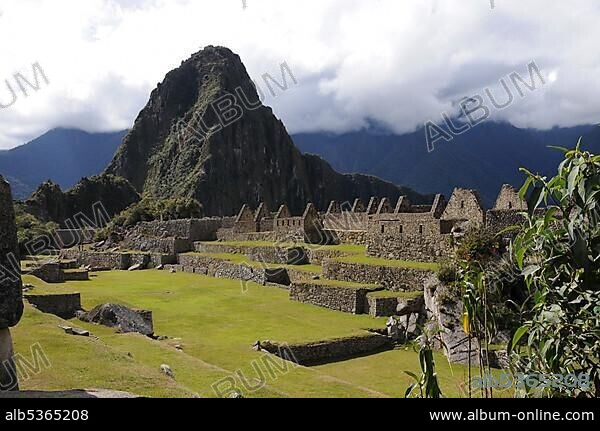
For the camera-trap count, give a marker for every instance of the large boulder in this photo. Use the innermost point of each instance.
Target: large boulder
(11, 288)
(124, 319)
(11, 300)
(445, 312)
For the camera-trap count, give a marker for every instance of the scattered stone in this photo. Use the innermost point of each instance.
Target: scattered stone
(121, 317)
(167, 371)
(135, 267)
(75, 331)
(257, 347)
(162, 338)
(179, 347)
(160, 267)
(173, 271)
(316, 277)
(100, 244)
(236, 395)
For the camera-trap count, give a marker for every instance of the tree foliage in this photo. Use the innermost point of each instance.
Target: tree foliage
(30, 228)
(558, 254)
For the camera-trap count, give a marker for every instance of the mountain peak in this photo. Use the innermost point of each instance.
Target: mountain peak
(205, 134)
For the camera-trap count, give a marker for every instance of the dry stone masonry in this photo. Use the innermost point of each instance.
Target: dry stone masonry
(393, 278)
(11, 301)
(348, 299)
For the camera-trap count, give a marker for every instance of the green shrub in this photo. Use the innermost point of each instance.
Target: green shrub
(30, 228)
(479, 245)
(447, 272)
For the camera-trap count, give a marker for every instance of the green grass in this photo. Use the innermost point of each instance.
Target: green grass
(387, 371)
(366, 260)
(74, 271)
(216, 322)
(390, 294)
(337, 283)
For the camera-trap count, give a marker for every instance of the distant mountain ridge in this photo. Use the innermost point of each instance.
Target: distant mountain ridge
(61, 155)
(484, 158)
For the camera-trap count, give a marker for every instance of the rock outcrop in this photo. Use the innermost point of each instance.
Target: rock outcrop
(11, 289)
(122, 318)
(445, 311)
(204, 134)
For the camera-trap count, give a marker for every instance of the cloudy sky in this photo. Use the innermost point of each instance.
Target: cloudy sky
(399, 63)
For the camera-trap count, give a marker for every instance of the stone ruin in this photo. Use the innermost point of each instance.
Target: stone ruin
(400, 230)
(11, 300)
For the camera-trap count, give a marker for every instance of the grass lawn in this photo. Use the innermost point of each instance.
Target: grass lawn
(216, 324)
(390, 294)
(366, 260)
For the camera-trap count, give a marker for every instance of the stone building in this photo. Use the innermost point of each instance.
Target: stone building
(465, 206)
(509, 199)
(507, 212)
(410, 232)
(307, 228)
(11, 295)
(342, 218)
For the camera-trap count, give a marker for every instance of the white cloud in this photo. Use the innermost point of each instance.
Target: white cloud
(400, 63)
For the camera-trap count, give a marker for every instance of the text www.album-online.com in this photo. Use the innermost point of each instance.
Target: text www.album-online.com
(535, 415)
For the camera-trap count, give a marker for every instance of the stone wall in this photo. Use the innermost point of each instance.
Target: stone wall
(393, 306)
(266, 254)
(278, 255)
(222, 269)
(229, 235)
(346, 299)
(118, 261)
(391, 278)
(346, 221)
(358, 237)
(410, 247)
(76, 275)
(499, 220)
(412, 224)
(64, 306)
(48, 272)
(158, 245)
(381, 307)
(191, 229)
(330, 350)
(318, 255)
(99, 261)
